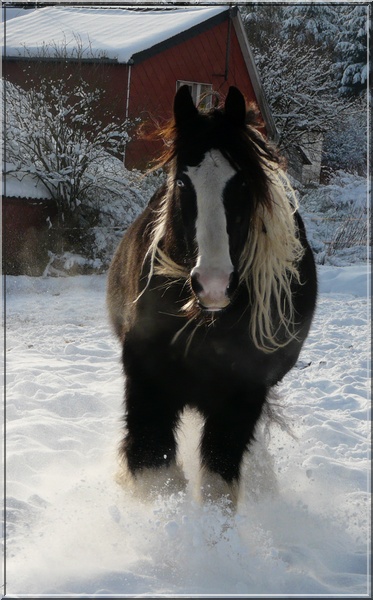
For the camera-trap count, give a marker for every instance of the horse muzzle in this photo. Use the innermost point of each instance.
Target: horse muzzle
(213, 288)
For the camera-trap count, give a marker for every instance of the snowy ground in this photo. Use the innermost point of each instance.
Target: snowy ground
(303, 525)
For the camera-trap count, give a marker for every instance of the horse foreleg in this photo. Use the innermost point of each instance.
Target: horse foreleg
(148, 450)
(226, 436)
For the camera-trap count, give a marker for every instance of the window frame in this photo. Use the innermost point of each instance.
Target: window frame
(198, 90)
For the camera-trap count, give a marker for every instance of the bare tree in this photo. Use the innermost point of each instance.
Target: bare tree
(301, 90)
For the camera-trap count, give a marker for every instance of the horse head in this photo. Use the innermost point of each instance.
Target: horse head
(226, 221)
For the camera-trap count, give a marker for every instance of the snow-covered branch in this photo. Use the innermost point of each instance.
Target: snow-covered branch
(52, 134)
(301, 91)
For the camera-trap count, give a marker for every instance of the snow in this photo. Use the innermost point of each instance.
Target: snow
(24, 186)
(101, 33)
(302, 527)
(338, 280)
(11, 13)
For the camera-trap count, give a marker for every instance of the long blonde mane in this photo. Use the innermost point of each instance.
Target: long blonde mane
(268, 263)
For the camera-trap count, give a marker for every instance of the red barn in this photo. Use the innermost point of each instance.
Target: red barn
(28, 213)
(143, 56)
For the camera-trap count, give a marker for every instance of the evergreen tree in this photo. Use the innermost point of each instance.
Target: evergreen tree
(337, 31)
(311, 25)
(351, 50)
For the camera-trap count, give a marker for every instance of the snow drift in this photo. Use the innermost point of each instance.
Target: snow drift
(302, 526)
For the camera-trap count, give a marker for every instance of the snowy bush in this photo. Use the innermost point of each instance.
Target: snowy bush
(119, 203)
(54, 137)
(336, 217)
(53, 134)
(119, 210)
(345, 146)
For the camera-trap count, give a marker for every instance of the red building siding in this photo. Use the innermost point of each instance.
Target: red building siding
(26, 234)
(111, 77)
(200, 58)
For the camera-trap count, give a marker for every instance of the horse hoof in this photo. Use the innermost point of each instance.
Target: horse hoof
(214, 489)
(149, 483)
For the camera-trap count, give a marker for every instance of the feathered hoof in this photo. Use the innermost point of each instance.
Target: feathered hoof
(149, 483)
(214, 489)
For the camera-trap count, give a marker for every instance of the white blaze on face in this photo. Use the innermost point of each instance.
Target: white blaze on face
(214, 266)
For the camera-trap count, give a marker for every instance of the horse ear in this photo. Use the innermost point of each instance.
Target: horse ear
(184, 109)
(235, 107)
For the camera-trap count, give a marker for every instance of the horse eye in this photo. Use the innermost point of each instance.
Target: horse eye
(180, 183)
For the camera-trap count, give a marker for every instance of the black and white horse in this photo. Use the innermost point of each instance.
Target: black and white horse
(211, 292)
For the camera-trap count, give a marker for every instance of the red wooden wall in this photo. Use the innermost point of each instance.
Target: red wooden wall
(26, 234)
(111, 77)
(201, 59)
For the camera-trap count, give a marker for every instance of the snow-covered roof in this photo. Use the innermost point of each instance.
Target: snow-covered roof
(15, 185)
(114, 33)
(8, 13)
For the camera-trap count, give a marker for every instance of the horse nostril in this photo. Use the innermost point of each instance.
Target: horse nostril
(195, 283)
(233, 283)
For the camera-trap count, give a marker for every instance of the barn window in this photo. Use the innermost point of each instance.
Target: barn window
(201, 93)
